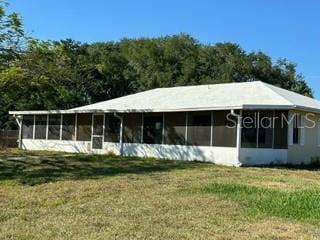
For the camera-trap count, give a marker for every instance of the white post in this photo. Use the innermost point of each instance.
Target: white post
(239, 119)
(47, 127)
(142, 122)
(121, 136)
(19, 120)
(186, 132)
(34, 127)
(272, 125)
(121, 132)
(211, 128)
(257, 125)
(163, 132)
(61, 127)
(76, 127)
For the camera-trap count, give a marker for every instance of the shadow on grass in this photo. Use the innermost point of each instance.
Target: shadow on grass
(39, 168)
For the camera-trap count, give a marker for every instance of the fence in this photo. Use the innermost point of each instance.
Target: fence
(9, 138)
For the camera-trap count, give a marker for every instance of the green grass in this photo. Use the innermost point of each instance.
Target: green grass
(298, 205)
(50, 195)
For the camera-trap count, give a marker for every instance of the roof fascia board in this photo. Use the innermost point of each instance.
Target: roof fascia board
(70, 111)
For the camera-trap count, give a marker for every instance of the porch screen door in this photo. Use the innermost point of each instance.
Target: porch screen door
(97, 131)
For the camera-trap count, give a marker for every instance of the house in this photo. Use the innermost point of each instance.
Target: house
(248, 123)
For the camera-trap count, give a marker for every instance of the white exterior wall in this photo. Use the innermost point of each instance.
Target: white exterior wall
(309, 142)
(218, 155)
(263, 156)
(57, 145)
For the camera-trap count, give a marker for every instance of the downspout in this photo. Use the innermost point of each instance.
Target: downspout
(19, 121)
(238, 143)
(121, 132)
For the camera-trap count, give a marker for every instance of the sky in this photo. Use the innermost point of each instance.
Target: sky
(280, 28)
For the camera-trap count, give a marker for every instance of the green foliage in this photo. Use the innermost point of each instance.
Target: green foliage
(300, 205)
(11, 35)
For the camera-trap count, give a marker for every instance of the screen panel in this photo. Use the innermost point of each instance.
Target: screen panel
(199, 128)
(224, 129)
(281, 130)
(265, 133)
(84, 121)
(249, 129)
(98, 124)
(27, 126)
(40, 126)
(68, 126)
(175, 128)
(132, 126)
(54, 126)
(152, 128)
(112, 128)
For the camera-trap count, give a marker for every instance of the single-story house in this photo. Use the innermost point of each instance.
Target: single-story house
(248, 123)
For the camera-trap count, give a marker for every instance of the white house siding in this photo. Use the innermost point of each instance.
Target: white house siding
(218, 155)
(57, 145)
(263, 156)
(309, 148)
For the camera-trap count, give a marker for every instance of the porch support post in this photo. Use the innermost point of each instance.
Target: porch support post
(19, 121)
(239, 116)
(121, 132)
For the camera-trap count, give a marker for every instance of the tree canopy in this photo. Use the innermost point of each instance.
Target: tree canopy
(64, 74)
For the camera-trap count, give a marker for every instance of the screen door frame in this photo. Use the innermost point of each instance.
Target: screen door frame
(93, 135)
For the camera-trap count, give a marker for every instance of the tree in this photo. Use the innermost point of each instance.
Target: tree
(11, 35)
(66, 74)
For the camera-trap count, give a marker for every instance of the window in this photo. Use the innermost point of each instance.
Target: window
(132, 123)
(265, 130)
(296, 129)
(68, 127)
(224, 129)
(249, 130)
(280, 130)
(54, 126)
(40, 127)
(27, 126)
(84, 121)
(174, 128)
(112, 128)
(199, 128)
(152, 128)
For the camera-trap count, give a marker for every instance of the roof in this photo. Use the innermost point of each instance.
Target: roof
(244, 95)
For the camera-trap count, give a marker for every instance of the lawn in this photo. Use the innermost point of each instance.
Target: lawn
(47, 195)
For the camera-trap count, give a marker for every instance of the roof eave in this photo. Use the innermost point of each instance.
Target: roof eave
(70, 111)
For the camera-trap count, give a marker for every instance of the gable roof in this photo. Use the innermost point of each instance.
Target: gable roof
(244, 95)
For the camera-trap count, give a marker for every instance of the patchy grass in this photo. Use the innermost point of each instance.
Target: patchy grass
(299, 205)
(46, 195)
